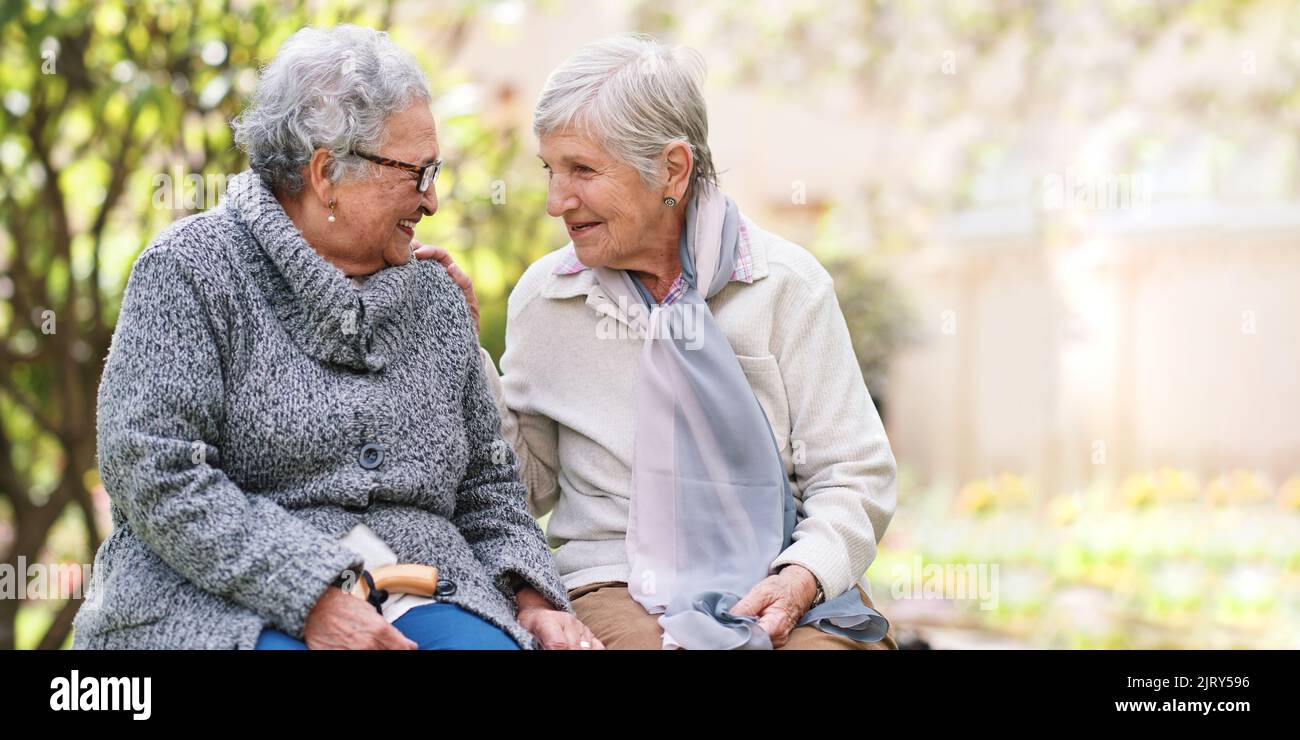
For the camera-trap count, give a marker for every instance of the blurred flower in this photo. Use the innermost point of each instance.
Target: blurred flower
(1252, 587)
(1138, 491)
(1241, 487)
(1289, 496)
(1064, 509)
(1179, 585)
(976, 497)
(1012, 491)
(1173, 486)
(1007, 491)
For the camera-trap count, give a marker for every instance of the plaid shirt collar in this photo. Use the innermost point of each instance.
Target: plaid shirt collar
(743, 272)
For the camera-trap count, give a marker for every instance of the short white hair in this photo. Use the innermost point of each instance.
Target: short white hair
(635, 96)
(333, 88)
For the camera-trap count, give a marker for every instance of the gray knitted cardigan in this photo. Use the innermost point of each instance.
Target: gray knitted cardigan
(255, 406)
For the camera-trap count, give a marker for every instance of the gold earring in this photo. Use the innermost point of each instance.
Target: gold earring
(331, 219)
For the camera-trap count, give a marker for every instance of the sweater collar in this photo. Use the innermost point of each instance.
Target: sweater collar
(325, 314)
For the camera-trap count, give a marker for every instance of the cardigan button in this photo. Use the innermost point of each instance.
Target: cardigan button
(371, 457)
(446, 588)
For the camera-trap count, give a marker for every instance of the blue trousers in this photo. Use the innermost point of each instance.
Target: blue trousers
(433, 626)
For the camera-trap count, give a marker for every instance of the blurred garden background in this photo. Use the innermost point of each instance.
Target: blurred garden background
(1066, 236)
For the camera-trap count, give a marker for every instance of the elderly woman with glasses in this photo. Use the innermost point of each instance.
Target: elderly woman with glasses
(680, 386)
(291, 401)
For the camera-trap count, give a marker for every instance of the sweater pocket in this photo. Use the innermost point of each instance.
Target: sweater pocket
(130, 587)
(764, 376)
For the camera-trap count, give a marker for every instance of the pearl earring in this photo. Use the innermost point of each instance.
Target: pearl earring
(331, 218)
(670, 201)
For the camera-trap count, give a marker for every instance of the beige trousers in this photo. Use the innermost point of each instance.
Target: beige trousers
(622, 624)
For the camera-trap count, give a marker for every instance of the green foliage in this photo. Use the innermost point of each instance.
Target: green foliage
(879, 318)
(493, 216)
(103, 102)
(114, 122)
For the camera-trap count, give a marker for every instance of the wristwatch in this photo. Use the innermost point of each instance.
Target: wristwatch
(820, 596)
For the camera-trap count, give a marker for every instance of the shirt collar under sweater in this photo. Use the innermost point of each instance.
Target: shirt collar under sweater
(571, 278)
(325, 314)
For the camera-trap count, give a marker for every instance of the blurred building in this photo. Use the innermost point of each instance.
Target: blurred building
(1099, 207)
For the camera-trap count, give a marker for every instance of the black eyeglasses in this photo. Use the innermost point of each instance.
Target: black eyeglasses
(426, 174)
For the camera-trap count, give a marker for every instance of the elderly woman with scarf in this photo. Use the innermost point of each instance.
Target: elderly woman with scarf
(680, 386)
(291, 400)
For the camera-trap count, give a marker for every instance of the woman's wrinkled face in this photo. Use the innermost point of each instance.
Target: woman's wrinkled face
(377, 214)
(606, 207)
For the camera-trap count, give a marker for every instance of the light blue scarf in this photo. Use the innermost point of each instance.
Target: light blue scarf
(711, 504)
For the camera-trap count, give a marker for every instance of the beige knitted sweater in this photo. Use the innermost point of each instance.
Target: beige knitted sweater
(566, 402)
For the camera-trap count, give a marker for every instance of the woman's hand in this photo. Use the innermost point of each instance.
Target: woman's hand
(556, 629)
(428, 251)
(341, 621)
(779, 602)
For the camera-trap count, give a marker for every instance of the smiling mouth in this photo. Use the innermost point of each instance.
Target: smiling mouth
(407, 225)
(583, 227)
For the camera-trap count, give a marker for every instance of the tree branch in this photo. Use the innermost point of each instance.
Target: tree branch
(7, 385)
(12, 484)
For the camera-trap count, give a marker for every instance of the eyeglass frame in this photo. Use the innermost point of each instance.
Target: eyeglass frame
(421, 171)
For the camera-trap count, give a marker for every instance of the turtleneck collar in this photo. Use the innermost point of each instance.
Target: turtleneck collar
(326, 315)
